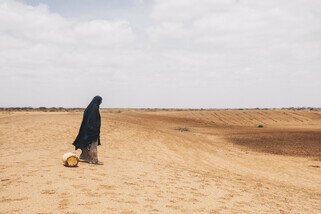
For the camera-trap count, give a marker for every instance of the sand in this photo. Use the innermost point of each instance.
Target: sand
(221, 163)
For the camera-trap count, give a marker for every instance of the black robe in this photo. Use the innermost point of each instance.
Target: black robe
(90, 126)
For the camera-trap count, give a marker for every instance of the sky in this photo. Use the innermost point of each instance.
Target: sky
(160, 53)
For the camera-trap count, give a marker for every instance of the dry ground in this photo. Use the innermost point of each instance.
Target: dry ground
(222, 164)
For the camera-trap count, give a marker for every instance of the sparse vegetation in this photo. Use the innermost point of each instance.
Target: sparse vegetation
(119, 110)
(183, 129)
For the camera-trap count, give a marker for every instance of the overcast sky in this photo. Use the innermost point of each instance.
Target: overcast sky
(162, 53)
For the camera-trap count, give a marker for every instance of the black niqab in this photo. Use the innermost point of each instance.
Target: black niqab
(90, 126)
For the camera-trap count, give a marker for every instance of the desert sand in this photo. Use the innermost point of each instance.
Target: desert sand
(215, 161)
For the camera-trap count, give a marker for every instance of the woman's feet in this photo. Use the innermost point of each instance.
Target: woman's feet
(96, 162)
(89, 154)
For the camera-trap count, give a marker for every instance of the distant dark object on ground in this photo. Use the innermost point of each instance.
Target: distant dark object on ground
(260, 126)
(183, 129)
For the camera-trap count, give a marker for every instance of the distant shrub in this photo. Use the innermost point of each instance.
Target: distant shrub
(260, 126)
(42, 108)
(183, 129)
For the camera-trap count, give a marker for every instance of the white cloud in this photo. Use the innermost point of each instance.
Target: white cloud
(50, 49)
(263, 36)
(185, 53)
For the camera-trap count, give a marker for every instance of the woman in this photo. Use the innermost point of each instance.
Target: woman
(89, 133)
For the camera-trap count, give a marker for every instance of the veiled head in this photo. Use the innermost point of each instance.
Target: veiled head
(97, 100)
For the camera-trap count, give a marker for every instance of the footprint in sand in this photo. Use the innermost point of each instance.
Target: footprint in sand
(105, 186)
(48, 192)
(90, 193)
(88, 204)
(2, 200)
(64, 202)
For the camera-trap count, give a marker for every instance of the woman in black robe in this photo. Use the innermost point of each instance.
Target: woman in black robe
(89, 133)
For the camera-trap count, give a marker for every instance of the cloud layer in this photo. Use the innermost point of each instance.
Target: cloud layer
(220, 53)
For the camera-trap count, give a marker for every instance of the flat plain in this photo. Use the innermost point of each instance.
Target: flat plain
(164, 161)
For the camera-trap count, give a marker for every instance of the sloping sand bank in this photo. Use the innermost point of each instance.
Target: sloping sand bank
(221, 163)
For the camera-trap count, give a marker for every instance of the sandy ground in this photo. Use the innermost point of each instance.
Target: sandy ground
(222, 164)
